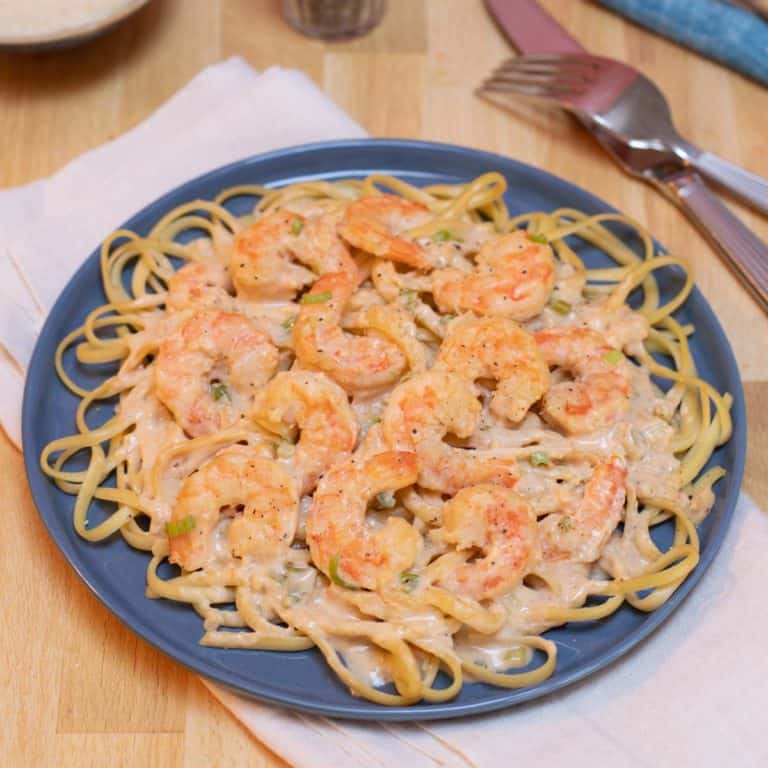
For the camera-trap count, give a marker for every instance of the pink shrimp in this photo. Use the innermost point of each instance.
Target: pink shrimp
(320, 409)
(497, 348)
(236, 477)
(207, 372)
(282, 252)
(580, 534)
(200, 285)
(421, 412)
(513, 278)
(357, 363)
(374, 224)
(599, 393)
(502, 525)
(342, 546)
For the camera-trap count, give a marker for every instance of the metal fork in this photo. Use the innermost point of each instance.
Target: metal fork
(625, 104)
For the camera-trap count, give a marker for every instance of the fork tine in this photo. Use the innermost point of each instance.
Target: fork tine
(546, 68)
(565, 83)
(491, 85)
(560, 85)
(533, 68)
(574, 81)
(586, 61)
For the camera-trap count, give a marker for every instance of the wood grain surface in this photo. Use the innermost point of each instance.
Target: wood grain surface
(76, 687)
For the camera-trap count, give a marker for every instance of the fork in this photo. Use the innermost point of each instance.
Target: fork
(625, 104)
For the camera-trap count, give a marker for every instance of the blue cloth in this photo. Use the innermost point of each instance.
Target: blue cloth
(719, 30)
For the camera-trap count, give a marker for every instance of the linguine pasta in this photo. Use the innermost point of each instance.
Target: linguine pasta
(393, 423)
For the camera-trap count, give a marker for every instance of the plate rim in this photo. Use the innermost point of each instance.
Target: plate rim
(418, 711)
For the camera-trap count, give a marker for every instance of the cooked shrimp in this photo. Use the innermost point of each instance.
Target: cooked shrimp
(426, 408)
(207, 372)
(513, 278)
(622, 328)
(374, 224)
(580, 534)
(320, 409)
(200, 285)
(282, 252)
(599, 392)
(451, 248)
(397, 324)
(497, 348)
(326, 251)
(341, 544)
(237, 476)
(357, 363)
(393, 286)
(502, 525)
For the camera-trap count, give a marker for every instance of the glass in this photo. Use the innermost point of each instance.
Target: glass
(333, 19)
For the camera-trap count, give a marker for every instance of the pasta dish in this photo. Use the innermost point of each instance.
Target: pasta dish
(394, 423)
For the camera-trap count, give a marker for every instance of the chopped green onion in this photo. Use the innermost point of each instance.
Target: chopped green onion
(409, 580)
(315, 298)
(565, 523)
(447, 317)
(385, 500)
(289, 322)
(443, 235)
(180, 527)
(613, 356)
(219, 390)
(538, 239)
(295, 568)
(560, 306)
(296, 226)
(539, 459)
(336, 578)
(375, 420)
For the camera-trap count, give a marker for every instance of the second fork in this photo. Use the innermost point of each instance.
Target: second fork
(623, 102)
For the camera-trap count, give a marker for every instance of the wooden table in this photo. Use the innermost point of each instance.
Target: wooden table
(77, 687)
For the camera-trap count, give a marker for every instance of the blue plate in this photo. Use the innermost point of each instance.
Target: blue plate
(116, 573)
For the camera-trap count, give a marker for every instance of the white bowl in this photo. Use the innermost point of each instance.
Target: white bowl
(62, 28)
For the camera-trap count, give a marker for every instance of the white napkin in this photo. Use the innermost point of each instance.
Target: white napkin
(688, 696)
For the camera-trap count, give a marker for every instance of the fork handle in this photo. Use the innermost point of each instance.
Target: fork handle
(741, 248)
(750, 188)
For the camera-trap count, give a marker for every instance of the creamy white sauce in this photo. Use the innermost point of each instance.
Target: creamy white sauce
(288, 586)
